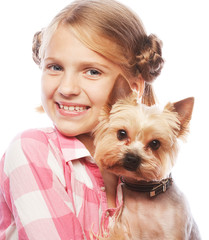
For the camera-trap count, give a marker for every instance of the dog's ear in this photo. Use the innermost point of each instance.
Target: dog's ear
(121, 90)
(184, 110)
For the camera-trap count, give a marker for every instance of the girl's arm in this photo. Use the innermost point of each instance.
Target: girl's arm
(34, 203)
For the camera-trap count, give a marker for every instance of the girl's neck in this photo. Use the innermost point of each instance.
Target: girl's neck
(87, 140)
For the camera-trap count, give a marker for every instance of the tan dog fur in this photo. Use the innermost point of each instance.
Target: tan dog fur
(163, 217)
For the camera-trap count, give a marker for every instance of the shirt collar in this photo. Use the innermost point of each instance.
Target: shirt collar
(72, 148)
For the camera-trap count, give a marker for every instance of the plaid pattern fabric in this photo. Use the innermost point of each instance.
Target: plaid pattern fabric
(50, 188)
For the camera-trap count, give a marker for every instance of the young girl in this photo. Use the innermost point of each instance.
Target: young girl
(50, 186)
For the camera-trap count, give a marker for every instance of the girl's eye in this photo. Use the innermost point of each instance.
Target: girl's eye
(93, 72)
(55, 67)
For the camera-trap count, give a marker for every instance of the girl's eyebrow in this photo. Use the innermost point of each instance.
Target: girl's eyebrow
(87, 63)
(54, 59)
(93, 63)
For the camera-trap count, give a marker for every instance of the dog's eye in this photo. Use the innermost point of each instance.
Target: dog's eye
(154, 144)
(122, 134)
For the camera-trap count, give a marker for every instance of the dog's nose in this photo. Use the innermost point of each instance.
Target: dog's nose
(131, 162)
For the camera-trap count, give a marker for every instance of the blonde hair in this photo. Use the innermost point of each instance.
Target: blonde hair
(112, 30)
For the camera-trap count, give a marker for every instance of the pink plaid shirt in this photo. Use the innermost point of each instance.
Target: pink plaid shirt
(50, 188)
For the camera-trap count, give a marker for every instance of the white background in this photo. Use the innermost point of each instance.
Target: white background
(181, 24)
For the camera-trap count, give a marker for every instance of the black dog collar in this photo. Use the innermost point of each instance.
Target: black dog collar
(153, 188)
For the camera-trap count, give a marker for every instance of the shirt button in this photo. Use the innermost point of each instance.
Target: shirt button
(102, 189)
(107, 214)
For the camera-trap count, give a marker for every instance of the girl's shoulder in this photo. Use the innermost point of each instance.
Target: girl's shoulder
(31, 141)
(36, 134)
(28, 147)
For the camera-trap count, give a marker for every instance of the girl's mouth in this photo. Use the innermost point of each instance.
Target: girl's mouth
(73, 108)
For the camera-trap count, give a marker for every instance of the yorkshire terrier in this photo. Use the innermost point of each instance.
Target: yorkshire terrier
(139, 144)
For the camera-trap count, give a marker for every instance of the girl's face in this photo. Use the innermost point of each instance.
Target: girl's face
(76, 82)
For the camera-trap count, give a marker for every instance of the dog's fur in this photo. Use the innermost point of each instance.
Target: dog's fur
(128, 128)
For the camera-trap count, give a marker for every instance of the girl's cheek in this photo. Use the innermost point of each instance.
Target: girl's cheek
(48, 85)
(44, 86)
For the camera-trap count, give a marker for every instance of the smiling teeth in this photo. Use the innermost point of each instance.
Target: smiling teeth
(72, 108)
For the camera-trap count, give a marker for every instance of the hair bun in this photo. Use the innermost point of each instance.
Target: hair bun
(150, 61)
(36, 46)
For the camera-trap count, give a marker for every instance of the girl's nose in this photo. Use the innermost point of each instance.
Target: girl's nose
(69, 85)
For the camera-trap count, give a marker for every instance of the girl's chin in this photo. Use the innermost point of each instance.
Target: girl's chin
(72, 131)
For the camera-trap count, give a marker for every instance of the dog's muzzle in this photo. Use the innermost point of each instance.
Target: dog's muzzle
(131, 161)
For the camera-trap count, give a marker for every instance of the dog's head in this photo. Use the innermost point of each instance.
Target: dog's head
(137, 141)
